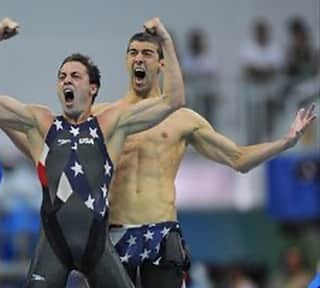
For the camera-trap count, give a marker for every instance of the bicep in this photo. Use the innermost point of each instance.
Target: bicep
(16, 115)
(215, 146)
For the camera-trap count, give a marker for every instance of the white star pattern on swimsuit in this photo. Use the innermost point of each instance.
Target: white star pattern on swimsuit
(148, 235)
(145, 254)
(74, 131)
(58, 124)
(90, 202)
(165, 231)
(125, 258)
(107, 168)
(93, 133)
(104, 190)
(132, 240)
(77, 168)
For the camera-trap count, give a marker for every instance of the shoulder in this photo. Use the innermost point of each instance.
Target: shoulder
(188, 115)
(187, 120)
(100, 107)
(39, 110)
(109, 119)
(42, 115)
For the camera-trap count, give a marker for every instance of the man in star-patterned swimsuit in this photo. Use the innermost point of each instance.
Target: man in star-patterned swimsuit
(75, 185)
(74, 154)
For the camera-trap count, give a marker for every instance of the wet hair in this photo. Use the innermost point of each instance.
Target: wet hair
(92, 69)
(147, 37)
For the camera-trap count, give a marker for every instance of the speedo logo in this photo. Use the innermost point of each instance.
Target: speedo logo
(63, 141)
(37, 277)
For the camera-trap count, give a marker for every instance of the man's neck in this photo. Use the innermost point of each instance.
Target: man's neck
(78, 119)
(133, 96)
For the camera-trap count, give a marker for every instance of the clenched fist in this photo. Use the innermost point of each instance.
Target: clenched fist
(8, 29)
(155, 27)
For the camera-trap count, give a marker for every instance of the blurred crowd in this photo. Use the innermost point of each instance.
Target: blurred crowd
(274, 80)
(293, 272)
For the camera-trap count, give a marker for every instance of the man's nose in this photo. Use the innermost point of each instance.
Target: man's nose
(139, 58)
(67, 80)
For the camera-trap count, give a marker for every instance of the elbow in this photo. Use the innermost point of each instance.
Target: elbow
(241, 167)
(239, 161)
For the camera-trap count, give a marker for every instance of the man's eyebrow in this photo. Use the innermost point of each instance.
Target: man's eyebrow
(143, 50)
(148, 50)
(72, 72)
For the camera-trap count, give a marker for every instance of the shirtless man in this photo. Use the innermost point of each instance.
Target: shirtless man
(75, 155)
(142, 198)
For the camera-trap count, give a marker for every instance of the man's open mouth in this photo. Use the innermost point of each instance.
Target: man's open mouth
(68, 95)
(139, 74)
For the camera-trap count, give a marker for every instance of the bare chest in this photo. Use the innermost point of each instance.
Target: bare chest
(152, 141)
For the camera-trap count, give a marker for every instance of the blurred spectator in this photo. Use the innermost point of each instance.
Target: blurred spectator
(300, 61)
(261, 62)
(200, 70)
(20, 186)
(294, 273)
(240, 279)
(305, 92)
(199, 276)
(19, 205)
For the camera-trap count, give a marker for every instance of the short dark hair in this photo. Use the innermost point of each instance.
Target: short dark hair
(92, 69)
(147, 37)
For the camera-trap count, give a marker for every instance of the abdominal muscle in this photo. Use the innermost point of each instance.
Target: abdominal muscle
(143, 190)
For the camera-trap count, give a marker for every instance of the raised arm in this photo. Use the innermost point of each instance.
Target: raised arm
(243, 158)
(13, 114)
(149, 112)
(173, 86)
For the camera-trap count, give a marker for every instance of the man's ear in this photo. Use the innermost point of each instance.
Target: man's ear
(93, 89)
(161, 65)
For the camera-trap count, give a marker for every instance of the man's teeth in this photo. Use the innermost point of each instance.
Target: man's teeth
(139, 70)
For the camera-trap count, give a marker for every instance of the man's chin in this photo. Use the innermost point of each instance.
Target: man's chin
(70, 113)
(140, 89)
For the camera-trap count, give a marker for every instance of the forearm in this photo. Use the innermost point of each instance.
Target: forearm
(173, 86)
(253, 155)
